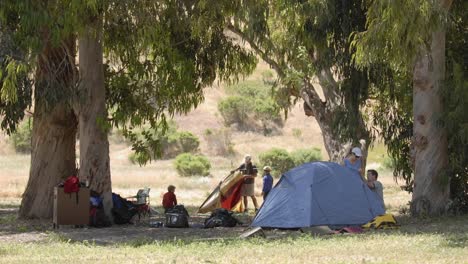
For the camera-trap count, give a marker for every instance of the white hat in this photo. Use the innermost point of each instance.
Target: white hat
(357, 152)
(248, 157)
(267, 168)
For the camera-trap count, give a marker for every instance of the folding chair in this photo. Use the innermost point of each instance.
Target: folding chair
(142, 202)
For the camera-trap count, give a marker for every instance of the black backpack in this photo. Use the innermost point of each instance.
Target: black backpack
(123, 210)
(177, 216)
(221, 217)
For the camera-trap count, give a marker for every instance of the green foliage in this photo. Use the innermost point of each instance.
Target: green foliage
(21, 138)
(170, 143)
(159, 56)
(302, 156)
(278, 159)
(187, 165)
(388, 163)
(455, 97)
(235, 109)
(15, 86)
(250, 101)
(137, 158)
(396, 32)
(307, 39)
(161, 62)
(179, 142)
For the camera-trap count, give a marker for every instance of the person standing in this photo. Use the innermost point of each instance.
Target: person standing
(169, 198)
(267, 182)
(249, 171)
(375, 185)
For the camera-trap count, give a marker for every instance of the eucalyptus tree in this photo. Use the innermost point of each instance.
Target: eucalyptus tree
(159, 55)
(410, 37)
(47, 51)
(307, 44)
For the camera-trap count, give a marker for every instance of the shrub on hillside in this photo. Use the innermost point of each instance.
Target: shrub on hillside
(188, 164)
(180, 142)
(138, 157)
(302, 156)
(267, 110)
(249, 89)
(235, 109)
(21, 139)
(278, 159)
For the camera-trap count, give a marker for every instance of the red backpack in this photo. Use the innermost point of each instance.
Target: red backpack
(71, 185)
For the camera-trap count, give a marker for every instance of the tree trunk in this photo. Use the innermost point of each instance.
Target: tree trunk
(323, 112)
(430, 151)
(54, 130)
(94, 144)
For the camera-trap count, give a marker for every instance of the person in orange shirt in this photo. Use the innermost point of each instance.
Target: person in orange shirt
(169, 198)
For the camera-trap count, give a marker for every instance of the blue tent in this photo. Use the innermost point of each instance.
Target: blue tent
(319, 193)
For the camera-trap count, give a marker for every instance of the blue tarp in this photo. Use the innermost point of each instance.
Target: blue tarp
(319, 193)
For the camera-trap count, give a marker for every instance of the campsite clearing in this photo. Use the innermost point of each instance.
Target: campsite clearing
(442, 240)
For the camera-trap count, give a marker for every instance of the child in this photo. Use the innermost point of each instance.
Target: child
(375, 185)
(169, 198)
(267, 182)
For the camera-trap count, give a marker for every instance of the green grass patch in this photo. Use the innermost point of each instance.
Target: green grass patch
(387, 247)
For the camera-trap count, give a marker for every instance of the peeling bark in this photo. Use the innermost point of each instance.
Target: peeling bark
(431, 187)
(54, 130)
(93, 126)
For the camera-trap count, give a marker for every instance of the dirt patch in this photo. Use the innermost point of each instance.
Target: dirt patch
(15, 230)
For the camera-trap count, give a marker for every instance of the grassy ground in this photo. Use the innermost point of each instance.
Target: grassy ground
(417, 241)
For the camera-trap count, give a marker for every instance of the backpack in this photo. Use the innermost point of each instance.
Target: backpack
(177, 216)
(123, 210)
(71, 185)
(178, 209)
(221, 217)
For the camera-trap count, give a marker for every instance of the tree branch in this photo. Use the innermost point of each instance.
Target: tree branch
(275, 65)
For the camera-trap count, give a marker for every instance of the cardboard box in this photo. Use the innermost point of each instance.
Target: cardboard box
(71, 208)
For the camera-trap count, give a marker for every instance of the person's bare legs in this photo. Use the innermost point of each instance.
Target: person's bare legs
(254, 200)
(245, 203)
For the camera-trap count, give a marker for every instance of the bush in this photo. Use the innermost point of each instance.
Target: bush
(278, 159)
(251, 106)
(138, 158)
(388, 163)
(302, 156)
(180, 142)
(235, 109)
(21, 139)
(250, 89)
(187, 165)
(267, 110)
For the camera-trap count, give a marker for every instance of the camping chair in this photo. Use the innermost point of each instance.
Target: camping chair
(142, 202)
